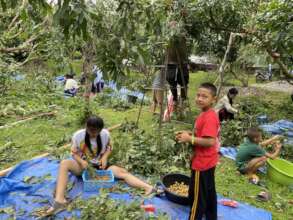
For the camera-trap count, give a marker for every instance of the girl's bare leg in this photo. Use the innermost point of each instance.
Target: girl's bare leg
(130, 179)
(66, 166)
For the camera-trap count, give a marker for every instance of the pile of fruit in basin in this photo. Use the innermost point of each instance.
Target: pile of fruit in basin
(101, 178)
(179, 189)
(95, 179)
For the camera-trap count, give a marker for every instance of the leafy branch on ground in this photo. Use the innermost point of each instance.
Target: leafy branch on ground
(103, 207)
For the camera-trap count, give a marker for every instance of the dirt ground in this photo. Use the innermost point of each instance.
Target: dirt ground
(278, 86)
(260, 89)
(245, 91)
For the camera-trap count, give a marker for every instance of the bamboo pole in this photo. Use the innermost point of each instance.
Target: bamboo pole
(5, 171)
(28, 119)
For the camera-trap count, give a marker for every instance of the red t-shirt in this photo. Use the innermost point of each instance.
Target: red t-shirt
(206, 125)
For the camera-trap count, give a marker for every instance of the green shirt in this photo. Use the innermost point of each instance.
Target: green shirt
(247, 151)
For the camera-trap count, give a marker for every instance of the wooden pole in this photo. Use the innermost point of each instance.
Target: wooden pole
(140, 109)
(28, 119)
(4, 172)
(144, 91)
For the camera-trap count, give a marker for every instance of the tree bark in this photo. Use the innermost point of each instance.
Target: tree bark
(282, 66)
(222, 66)
(88, 53)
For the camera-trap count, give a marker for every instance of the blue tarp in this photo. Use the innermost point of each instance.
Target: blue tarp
(27, 197)
(60, 79)
(229, 152)
(117, 93)
(123, 91)
(282, 127)
(19, 77)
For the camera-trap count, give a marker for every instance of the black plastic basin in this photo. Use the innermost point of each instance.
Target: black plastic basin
(169, 180)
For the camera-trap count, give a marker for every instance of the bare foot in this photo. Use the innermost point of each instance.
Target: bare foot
(253, 178)
(56, 206)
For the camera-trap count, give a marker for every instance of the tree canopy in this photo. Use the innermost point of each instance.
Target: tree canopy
(138, 32)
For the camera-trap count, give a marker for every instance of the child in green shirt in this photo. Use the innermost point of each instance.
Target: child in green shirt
(251, 154)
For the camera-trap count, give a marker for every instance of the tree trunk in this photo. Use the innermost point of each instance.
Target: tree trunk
(222, 66)
(282, 66)
(88, 53)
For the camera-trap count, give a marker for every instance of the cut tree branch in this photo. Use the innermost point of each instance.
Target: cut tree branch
(24, 47)
(23, 5)
(223, 63)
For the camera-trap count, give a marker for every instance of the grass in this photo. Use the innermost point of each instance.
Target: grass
(40, 135)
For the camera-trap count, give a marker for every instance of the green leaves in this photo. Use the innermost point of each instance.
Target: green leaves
(36, 180)
(103, 207)
(3, 5)
(8, 210)
(150, 153)
(72, 16)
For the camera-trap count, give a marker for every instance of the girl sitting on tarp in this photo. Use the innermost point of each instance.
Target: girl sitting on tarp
(92, 145)
(71, 86)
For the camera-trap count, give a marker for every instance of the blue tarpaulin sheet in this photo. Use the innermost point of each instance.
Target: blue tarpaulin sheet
(25, 198)
(283, 127)
(121, 93)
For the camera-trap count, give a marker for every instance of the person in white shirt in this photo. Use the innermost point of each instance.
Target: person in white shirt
(224, 106)
(92, 145)
(98, 83)
(71, 85)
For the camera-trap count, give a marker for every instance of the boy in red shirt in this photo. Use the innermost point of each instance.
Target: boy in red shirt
(202, 190)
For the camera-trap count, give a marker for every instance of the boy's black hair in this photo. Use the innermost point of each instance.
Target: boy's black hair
(209, 86)
(253, 133)
(233, 91)
(97, 123)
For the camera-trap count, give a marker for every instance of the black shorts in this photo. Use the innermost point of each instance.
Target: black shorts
(174, 75)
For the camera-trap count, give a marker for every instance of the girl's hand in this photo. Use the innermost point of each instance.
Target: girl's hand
(103, 163)
(84, 164)
(183, 137)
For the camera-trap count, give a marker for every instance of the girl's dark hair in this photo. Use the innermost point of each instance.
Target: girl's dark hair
(97, 123)
(232, 91)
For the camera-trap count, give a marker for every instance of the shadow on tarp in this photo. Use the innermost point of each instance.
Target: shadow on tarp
(25, 198)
